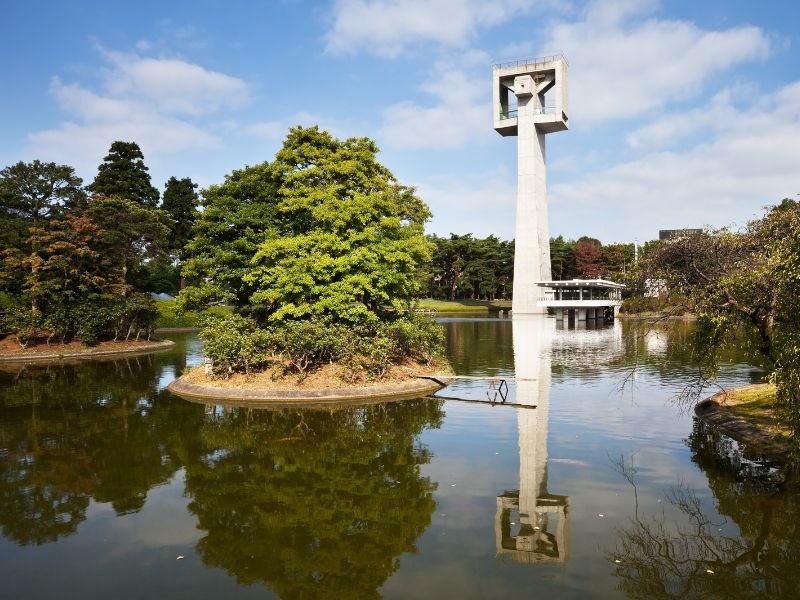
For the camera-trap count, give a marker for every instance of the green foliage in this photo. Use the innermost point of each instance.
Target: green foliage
(131, 235)
(180, 203)
(233, 343)
(416, 336)
(235, 219)
(636, 305)
(22, 321)
(36, 191)
(156, 276)
(309, 343)
(88, 320)
(93, 319)
(123, 173)
(464, 267)
(30, 195)
(170, 317)
(347, 238)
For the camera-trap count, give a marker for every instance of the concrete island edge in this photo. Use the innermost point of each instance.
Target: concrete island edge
(405, 390)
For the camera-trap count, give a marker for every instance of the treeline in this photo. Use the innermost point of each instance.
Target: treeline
(78, 262)
(465, 267)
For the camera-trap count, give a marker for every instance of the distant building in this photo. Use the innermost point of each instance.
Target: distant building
(667, 234)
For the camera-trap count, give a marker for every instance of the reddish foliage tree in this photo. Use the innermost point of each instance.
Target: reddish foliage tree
(588, 259)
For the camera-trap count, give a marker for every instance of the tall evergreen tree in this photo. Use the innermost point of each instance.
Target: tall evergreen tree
(180, 202)
(31, 194)
(123, 173)
(35, 191)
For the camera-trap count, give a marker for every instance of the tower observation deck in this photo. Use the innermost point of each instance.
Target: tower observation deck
(529, 99)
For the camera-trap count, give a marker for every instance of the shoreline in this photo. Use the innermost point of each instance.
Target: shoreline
(757, 439)
(56, 356)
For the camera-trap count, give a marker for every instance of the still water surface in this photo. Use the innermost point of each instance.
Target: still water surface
(591, 490)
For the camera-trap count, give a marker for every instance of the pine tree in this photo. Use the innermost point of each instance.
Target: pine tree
(123, 173)
(180, 202)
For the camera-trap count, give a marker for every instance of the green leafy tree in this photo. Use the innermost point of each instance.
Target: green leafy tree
(348, 237)
(235, 219)
(617, 261)
(123, 173)
(563, 258)
(466, 267)
(743, 285)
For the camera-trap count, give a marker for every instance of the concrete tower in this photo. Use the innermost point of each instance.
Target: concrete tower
(530, 101)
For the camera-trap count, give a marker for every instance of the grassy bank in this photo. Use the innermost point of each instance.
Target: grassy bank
(464, 305)
(755, 403)
(168, 317)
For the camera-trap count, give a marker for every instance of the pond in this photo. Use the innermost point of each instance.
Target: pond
(588, 481)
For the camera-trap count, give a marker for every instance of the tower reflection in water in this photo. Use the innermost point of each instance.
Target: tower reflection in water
(531, 524)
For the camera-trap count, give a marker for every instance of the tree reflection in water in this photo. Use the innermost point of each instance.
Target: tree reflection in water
(313, 503)
(75, 433)
(695, 556)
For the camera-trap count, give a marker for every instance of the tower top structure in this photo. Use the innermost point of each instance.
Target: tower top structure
(543, 80)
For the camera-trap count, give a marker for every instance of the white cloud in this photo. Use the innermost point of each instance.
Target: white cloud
(153, 101)
(622, 66)
(671, 128)
(481, 204)
(749, 161)
(459, 116)
(388, 27)
(174, 85)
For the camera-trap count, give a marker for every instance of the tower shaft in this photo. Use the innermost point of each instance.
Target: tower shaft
(532, 236)
(530, 101)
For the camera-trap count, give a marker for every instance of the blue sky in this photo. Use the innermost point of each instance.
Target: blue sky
(682, 114)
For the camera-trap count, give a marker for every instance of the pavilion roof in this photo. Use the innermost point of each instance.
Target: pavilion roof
(581, 283)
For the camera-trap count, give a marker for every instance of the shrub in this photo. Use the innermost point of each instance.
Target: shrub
(416, 336)
(95, 319)
(137, 313)
(23, 322)
(234, 343)
(308, 344)
(370, 355)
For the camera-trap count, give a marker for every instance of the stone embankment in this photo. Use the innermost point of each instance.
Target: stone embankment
(81, 353)
(411, 388)
(757, 439)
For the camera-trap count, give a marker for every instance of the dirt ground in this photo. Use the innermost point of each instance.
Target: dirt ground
(10, 346)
